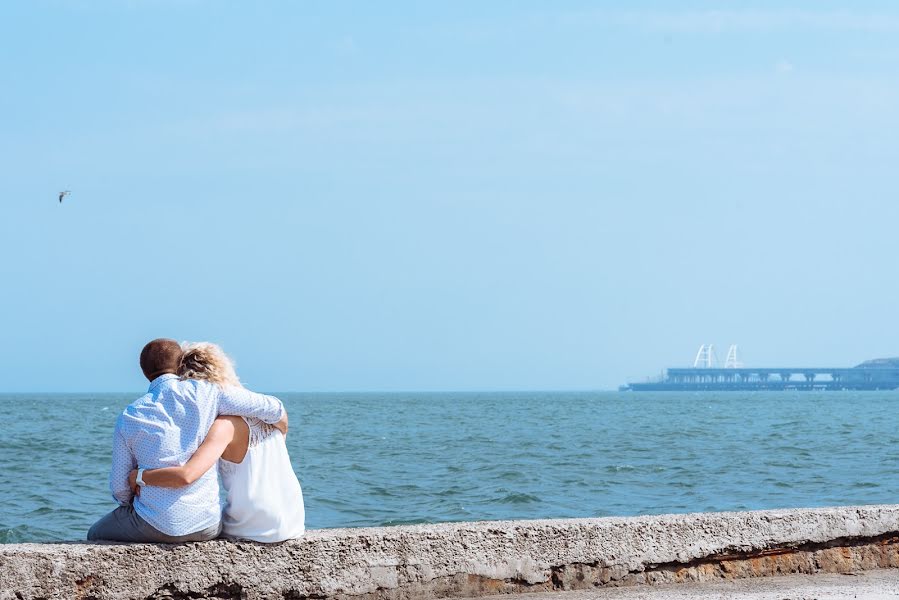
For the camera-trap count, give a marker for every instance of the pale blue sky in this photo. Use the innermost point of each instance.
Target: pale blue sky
(473, 195)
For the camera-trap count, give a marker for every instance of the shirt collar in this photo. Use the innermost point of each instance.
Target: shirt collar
(160, 380)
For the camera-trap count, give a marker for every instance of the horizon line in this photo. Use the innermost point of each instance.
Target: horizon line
(353, 391)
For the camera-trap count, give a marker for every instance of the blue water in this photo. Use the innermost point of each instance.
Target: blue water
(376, 459)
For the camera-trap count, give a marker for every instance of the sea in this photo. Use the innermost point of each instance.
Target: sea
(368, 459)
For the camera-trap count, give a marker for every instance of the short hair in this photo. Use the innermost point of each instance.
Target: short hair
(207, 361)
(159, 357)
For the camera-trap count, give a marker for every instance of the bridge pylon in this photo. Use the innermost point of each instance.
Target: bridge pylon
(731, 362)
(705, 358)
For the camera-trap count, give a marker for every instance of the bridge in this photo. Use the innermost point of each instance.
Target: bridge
(877, 374)
(782, 378)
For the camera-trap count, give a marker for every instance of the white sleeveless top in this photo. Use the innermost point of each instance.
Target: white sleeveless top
(264, 500)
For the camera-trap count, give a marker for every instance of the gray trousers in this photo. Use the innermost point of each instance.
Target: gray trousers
(125, 525)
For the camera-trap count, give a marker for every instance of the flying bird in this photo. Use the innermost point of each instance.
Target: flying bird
(63, 194)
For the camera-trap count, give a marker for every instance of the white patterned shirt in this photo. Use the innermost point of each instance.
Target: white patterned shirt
(163, 429)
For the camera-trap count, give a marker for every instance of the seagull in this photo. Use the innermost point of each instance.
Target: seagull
(63, 194)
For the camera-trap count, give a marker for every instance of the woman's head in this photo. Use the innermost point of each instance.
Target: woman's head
(205, 360)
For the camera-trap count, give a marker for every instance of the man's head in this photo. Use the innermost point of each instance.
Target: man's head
(160, 357)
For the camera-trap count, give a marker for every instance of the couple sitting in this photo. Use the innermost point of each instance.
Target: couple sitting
(197, 414)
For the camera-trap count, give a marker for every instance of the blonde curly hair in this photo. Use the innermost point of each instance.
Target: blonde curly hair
(207, 361)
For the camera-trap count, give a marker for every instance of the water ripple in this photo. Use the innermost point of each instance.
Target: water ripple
(373, 459)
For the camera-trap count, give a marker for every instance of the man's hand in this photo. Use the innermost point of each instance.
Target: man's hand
(132, 482)
(282, 424)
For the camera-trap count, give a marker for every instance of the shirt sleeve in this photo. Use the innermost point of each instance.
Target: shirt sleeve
(241, 402)
(122, 464)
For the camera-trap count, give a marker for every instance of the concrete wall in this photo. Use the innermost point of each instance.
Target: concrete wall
(465, 559)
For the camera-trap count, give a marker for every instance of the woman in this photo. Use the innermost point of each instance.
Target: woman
(264, 499)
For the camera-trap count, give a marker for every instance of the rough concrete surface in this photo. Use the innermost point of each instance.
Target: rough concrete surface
(865, 585)
(466, 559)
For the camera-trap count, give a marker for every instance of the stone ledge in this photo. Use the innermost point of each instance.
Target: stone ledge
(465, 559)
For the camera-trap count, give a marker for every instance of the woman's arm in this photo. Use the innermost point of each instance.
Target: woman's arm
(220, 435)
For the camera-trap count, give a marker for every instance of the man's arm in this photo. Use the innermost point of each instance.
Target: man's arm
(282, 424)
(122, 463)
(241, 402)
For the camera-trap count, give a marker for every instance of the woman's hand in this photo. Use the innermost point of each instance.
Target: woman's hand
(132, 482)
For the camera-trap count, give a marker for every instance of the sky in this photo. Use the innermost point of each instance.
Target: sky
(504, 195)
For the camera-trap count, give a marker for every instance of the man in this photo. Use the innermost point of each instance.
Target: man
(163, 429)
